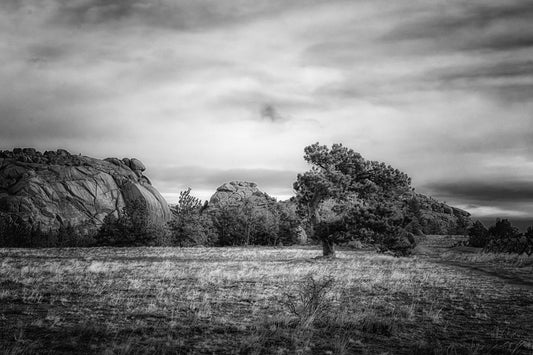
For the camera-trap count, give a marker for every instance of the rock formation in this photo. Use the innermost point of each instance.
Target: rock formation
(234, 193)
(54, 189)
(439, 218)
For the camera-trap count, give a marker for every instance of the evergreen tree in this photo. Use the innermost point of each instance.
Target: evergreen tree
(478, 235)
(189, 226)
(346, 197)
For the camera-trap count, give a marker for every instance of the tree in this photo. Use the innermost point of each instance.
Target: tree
(478, 235)
(289, 224)
(133, 226)
(187, 203)
(346, 197)
(228, 227)
(247, 224)
(527, 241)
(255, 223)
(189, 226)
(414, 213)
(503, 229)
(462, 224)
(504, 238)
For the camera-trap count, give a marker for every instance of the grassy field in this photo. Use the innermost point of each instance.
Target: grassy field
(263, 300)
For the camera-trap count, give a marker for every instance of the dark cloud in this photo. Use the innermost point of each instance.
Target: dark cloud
(470, 25)
(510, 69)
(489, 43)
(488, 199)
(98, 11)
(174, 14)
(508, 81)
(504, 42)
(270, 113)
(484, 191)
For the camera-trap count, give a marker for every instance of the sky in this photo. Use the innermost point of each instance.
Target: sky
(209, 91)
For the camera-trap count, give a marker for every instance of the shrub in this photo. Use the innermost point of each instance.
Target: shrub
(313, 299)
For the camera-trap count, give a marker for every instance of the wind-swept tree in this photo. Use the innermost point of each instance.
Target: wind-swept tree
(345, 197)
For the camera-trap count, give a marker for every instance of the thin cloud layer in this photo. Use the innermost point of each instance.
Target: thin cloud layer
(207, 91)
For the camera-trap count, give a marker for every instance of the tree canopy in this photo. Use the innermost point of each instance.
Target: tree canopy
(345, 197)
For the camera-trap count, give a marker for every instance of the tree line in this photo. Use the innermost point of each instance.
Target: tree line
(502, 237)
(192, 224)
(341, 198)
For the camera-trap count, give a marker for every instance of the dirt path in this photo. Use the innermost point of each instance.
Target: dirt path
(440, 251)
(507, 276)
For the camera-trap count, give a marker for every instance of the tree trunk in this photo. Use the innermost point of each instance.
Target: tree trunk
(328, 248)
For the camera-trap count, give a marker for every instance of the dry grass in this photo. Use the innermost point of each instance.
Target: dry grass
(246, 300)
(478, 257)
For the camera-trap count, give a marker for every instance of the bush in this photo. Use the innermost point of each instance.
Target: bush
(313, 300)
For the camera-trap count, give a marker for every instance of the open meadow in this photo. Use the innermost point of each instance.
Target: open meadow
(264, 300)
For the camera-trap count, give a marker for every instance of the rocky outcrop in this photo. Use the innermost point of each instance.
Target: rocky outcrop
(53, 189)
(235, 193)
(438, 218)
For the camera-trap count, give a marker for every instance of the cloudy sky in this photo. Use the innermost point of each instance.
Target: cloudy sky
(207, 91)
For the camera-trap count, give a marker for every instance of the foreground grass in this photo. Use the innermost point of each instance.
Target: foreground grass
(243, 300)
